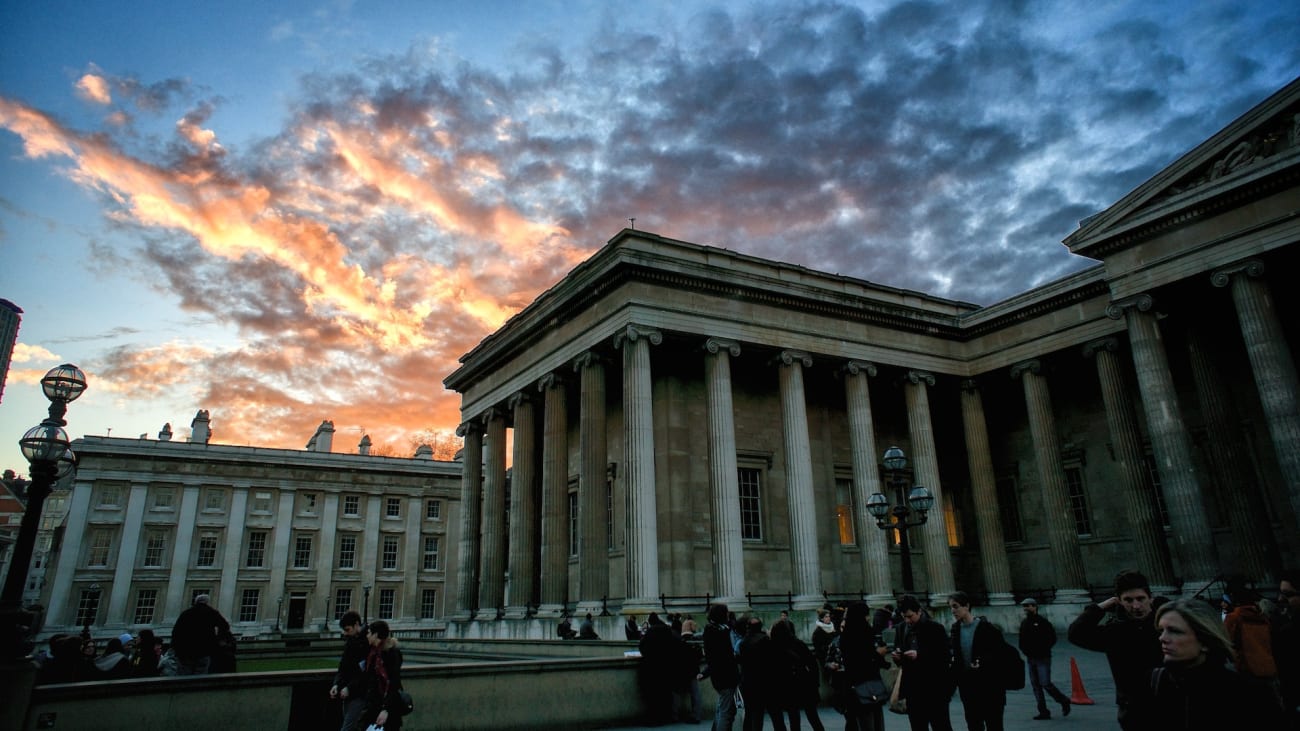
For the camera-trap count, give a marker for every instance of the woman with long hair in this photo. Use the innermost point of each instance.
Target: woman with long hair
(856, 656)
(802, 691)
(383, 678)
(1197, 687)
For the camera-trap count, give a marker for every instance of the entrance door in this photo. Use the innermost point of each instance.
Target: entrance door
(297, 611)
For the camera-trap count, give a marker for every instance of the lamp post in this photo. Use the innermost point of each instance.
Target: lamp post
(919, 499)
(279, 608)
(46, 449)
(365, 606)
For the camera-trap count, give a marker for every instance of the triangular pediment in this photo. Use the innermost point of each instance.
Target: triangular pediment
(1257, 145)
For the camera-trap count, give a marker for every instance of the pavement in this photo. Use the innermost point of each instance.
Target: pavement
(1020, 709)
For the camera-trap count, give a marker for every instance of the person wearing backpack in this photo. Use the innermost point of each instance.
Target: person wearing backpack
(978, 658)
(1252, 636)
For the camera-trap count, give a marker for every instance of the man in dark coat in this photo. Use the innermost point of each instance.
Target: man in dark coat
(720, 666)
(349, 681)
(1130, 641)
(659, 660)
(1037, 636)
(195, 636)
(925, 658)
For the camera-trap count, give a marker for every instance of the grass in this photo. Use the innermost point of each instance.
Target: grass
(262, 665)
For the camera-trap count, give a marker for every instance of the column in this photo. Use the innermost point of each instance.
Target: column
(934, 534)
(280, 553)
(593, 527)
(523, 510)
(639, 470)
(1257, 551)
(866, 481)
(61, 611)
(555, 497)
(1170, 441)
(1151, 552)
(798, 481)
(329, 523)
(1062, 536)
(1272, 364)
(492, 562)
(408, 592)
(127, 551)
(984, 489)
(724, 482)
(174, 603)
(233, 552)
(471, 509)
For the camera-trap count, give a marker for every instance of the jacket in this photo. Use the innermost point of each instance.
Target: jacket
(987, 658)
(1037, 636)
(1208, 696)
(1132, 649)
(928, 677)
(723, 671)
(351, 670)
(1252, 638)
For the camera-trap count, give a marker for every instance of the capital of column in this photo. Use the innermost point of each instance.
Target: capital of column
(1222, 277)
(919, 377)
(490, 413)
(586, 360)
(1109, 345)
(469, 427)
(717, 345)
(631, 333)
(549, 381)
(1033, 366)
(788, 357)
(516, 398)
(1143, 302)
(856, 367)
(970, 384)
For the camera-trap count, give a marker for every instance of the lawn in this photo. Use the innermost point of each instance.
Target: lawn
(262, 665)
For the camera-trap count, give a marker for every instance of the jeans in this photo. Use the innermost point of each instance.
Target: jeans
(1040, 678)
(353, 707)
(725, 716)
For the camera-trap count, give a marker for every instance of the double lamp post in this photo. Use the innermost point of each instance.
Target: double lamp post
(918, 500)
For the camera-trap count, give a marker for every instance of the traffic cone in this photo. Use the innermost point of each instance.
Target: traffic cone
(1078, 696)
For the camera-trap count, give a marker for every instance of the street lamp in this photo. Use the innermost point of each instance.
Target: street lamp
(279, 607)
(46, 447)
(365, 606)
(919, 499)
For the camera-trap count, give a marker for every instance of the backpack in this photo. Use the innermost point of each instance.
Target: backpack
(1011, 670)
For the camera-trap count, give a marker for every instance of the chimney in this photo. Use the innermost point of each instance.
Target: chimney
(200, 432)
(323, 439)
(166, 434)
(424, 451)
(364, 446)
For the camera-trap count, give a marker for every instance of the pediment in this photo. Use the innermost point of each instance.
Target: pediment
(1256, 147)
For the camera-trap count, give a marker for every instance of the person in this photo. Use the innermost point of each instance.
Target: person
(113, 664)
(924, 657)
(195, 636)
(690, 627)
(1194, 688)
(349, 679)
(856, 655)
(1130, 640)
(631, 630)
(800, 692)
(66, 663)
(977, 659)
(882, 619)
(1037, 637)
(587, 630)
(564, 630)
(758, 677)
(1251, 634)
(1286, 643)
(659, 658)
(129, 645)
(823, 633)
(720, 666)
(382, 678)
(147, 654)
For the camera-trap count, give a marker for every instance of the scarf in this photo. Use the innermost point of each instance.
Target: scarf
(826, 627)
(375, 663)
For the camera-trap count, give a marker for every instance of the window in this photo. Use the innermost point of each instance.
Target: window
(751, 514)
(155, 545)
(101, 540)
(1009, 510)
(430, 553)
(1156, 488)
(307, 503)
(145, 602)
(261, 502)
(207, 555)
(609, 515)
(844, 511)
(256, 549)
(352, 505)
(88, 606)
(342, 602)
(302, 552)
(393, 507)
(433, 510)
(248, 606)
(428, 603)
(390, 553)
(214, 498)
(386, 597)
(573, 524)
(951, 521)
(1078, 501)
(110, 496)
(164, 498)
(348, 551)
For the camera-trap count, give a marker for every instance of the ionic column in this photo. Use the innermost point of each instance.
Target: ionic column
(988, 519)
(555, 497)
(1257, 550)
(1150, 551)
(934, 534)
(593, 530)
(1062, 536)
(127, 551)
(492, 563)
(798, 480)
(1272, 364)
(724, 481)
(639, 470)
(866, 481)
(523, 510)
(471, 503)
(1170, 441)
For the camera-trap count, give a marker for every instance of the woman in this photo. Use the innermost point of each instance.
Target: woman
(977, 653)
(147, 654)
(1196, 688)
(383, 678)
(802, 690)
(856, 656)
(759, 678)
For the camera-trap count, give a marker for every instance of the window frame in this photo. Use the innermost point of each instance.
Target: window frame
(146, 605)
(302, 552)
(390, 553)
(248, 611)
(751, 516)
(257, 541)
(387, 605)
(347, 550)
(434, 553)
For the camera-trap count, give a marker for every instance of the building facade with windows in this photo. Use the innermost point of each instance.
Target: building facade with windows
(282, 540)
(686, 421)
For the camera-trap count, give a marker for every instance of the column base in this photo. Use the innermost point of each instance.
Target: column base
(875, 601)
(1001, 599)
(938, 598)
(585, 608)
(550, 610)
(738, 605)
(486, 614)
(1072, 596)
(641, 605)
(808, 601)
(460, 615)
(516, 613)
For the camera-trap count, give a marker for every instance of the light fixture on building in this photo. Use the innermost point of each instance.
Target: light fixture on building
(919, 501)
(365, 606)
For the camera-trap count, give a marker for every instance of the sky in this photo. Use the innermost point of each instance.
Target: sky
(296, 211)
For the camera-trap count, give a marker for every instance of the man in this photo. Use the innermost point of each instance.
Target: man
(924, 656)
(659, 656)
(195, 636)
(1130, 641)
(349, 681)
(977, 653)
(1037, 636)
(1286, 643)
(564, 630)
(720, 666)
(587, 630)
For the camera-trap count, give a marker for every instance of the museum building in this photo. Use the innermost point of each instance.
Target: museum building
(686, 421)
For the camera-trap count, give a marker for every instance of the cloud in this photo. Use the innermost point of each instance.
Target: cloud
(24, 353)
(94, 88)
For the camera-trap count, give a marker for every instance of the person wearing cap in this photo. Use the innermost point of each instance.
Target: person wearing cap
(1037, 636)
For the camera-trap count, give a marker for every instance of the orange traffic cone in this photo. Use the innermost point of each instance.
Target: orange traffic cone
(1078, 696)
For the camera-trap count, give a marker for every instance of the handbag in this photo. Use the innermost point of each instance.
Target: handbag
(896, 704)
(872, 692)
(408, 703)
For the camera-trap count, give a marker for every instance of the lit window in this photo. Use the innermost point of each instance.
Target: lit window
(207, 555)
(155, 544)
(302, 552)
(352, 505)
(428, 603)
(390, 553)
(433, 510)
(347, 551)
(256, 549)
(386, 597)
(844, 511)
(951, 521)
(1078, 501)
(101, 540)
(145, 602)
(248, 606)
(751, 513)
(342, 602)
(393, 507)
(430, 553)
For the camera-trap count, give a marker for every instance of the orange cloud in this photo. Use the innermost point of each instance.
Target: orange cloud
(94, 88)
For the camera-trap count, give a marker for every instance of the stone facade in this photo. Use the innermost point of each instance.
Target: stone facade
(712, 423)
